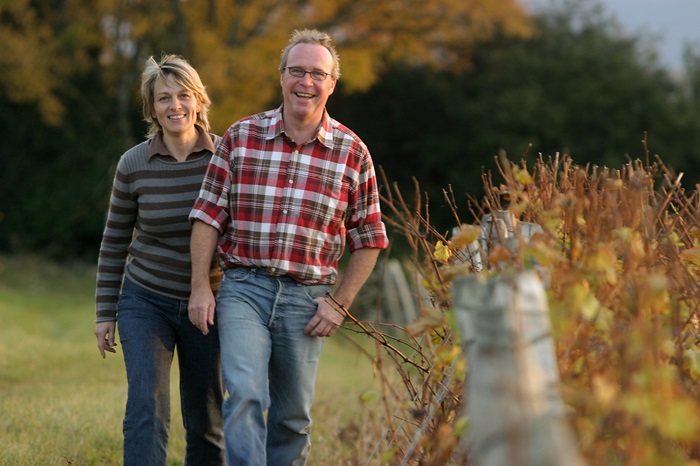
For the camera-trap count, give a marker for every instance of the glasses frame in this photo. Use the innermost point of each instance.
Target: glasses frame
(316, 75)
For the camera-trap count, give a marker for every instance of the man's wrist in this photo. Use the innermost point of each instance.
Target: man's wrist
(200, 283)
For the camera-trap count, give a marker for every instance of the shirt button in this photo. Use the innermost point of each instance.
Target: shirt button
(284, 211)
(291, 181)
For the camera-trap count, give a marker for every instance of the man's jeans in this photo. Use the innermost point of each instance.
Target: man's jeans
(268, 362)
(150, 327)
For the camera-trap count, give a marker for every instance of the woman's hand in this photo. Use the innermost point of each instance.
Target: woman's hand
(104, 331)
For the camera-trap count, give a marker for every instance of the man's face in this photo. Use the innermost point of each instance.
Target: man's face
(304, 97)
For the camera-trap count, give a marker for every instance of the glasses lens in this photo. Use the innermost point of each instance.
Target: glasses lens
(316, 75)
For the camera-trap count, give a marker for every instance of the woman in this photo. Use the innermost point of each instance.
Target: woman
(143, 272)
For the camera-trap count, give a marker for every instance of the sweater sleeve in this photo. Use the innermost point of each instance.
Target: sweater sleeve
(117, 236)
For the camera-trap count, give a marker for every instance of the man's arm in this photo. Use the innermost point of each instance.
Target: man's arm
(202, 304)
(327, 318)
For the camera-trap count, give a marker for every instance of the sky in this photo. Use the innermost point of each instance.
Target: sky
(674, 22)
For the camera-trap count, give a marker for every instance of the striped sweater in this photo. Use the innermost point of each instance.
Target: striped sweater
(147, 233)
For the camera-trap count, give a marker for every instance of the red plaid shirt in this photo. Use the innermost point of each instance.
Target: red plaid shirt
(287, 208)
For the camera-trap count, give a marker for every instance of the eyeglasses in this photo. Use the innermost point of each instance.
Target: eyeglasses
(316, 75)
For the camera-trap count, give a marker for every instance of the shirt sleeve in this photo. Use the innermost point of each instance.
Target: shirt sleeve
(364, 225)
(211, 206)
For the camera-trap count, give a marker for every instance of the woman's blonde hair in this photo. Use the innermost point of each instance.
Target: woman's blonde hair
(179, 71)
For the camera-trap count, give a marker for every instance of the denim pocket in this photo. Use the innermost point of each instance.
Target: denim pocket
(238, 274)
(315, 291)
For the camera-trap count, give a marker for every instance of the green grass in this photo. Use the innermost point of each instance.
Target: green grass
(61, 403)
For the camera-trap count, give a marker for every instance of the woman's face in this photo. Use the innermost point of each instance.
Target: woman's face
(176, 108)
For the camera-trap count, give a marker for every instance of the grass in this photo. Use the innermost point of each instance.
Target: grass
(61, 403)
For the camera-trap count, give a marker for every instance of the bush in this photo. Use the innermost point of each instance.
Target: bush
(620, 254)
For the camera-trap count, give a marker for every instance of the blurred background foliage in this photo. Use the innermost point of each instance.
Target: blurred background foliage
(436, 89)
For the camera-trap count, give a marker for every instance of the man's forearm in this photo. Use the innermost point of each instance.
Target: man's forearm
(202, 246)
(359, 268)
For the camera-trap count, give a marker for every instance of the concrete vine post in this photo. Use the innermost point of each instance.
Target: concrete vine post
(516, 416)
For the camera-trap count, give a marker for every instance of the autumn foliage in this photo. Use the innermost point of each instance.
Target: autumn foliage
(234, 45)
(620, 259)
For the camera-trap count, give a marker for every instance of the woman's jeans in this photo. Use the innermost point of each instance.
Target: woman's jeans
(269, 364)
(150, 327)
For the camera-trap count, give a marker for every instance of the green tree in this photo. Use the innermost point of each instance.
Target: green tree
(236, 45)
(576, 86)
(58, 125)
(686, 138)
(70, 69)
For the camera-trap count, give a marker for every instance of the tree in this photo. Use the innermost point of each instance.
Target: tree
(575, 86)
(41, 52)
(59, 145)
(70, 70)
(236, 45)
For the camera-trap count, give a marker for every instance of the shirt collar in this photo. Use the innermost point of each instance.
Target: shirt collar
(324, 133)
(158, 147)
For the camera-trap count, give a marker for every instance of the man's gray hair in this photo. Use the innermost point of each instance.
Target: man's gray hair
(311, 36)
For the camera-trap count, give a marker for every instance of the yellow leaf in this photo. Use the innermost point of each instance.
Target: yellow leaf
(430, 283)
(369, 397)
(466, 236)
(431, 318)
(461, 426)
(539, 253)
(604, 263)
(672, 418)
(605, 391)
(691, 257)
(500, 253)
(388, 455)
(456, 270)
(695, 232)
(578, 366)
(442, 252)
(447, 354)
(613, 184)
(522, 176)
(656, 401)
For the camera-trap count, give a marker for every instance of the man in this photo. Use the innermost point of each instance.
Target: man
(283, 193)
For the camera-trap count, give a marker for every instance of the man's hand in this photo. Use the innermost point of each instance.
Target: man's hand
(332, 311)
(104, 331)
(201, 308)
(329, 316)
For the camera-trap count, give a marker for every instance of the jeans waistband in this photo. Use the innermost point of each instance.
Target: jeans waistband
(265, 271)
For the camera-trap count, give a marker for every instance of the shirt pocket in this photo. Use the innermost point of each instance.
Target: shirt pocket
(325, 203)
